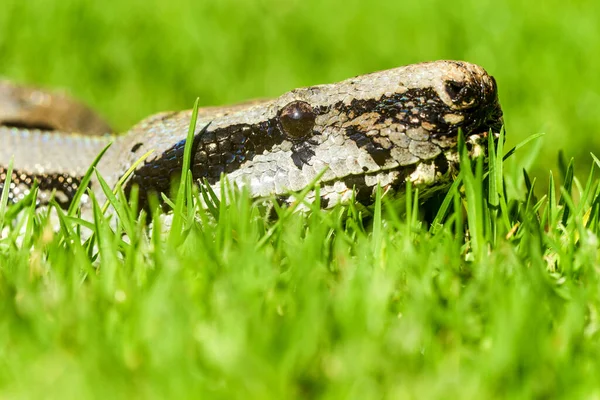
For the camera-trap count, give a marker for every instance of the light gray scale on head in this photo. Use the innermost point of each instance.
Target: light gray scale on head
(382, 128)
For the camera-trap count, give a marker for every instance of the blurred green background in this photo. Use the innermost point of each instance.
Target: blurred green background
(129, 59)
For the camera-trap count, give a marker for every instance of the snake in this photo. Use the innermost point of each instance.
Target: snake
(382, 129)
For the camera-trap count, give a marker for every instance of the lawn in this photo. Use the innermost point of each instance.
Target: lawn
(498, 297)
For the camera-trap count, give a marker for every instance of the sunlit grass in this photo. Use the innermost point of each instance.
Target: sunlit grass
(498, 298)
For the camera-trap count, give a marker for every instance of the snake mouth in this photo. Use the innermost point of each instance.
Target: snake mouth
(488, 119)
(492, 116)
(496, 120)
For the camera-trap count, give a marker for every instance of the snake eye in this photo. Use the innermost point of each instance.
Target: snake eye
(461, 93)
(297, 119)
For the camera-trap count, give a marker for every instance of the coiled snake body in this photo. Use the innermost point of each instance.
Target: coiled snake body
(382, 128)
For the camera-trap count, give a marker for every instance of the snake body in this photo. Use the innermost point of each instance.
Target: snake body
(381, 128)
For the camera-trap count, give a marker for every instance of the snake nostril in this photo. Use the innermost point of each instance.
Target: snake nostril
(453, 88)
(461, 93)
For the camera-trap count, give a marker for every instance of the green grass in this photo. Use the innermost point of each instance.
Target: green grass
(498, 298)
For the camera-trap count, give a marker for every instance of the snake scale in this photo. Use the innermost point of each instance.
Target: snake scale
(381, 128)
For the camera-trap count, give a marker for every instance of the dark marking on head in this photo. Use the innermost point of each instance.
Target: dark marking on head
(378, 153)
(420, 108)
(411, 109)
(224, 150)
(213, 152)
(363, 193)
(136, 147)
(302, 153)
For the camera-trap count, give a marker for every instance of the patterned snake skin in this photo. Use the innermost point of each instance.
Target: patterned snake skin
(382, 128)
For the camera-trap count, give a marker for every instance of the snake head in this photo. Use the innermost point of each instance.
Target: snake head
(473, 93)
(389, 127)
(383, 128)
